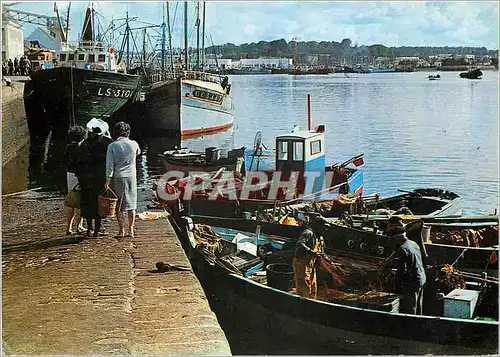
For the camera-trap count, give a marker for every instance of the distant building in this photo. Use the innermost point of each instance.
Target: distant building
(264, 62)
(225, 63)
(382, 62)
(407, 59)
(12, 40)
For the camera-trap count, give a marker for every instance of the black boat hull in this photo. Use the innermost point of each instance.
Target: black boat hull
(289, 324)
(74, 94)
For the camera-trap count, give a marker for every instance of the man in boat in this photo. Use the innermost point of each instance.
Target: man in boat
(410, 276)
(309, 246)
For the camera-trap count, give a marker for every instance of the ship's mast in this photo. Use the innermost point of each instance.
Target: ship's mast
(203, 41)
(170, 41)
(127, 31)
(143, 49)
(198, 36)
(163, 29)
(186, 64)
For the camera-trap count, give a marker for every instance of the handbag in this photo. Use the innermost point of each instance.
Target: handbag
(74, 197)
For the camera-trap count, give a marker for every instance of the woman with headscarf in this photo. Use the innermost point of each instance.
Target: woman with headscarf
(121, 175)
(92, 174)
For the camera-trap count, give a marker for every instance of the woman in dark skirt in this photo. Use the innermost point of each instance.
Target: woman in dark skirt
(92, 176)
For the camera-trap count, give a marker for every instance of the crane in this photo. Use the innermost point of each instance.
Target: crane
(53, 23)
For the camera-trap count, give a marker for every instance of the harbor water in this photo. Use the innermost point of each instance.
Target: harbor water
(414, 132)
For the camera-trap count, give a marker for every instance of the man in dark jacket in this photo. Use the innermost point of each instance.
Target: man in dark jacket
(410, 276)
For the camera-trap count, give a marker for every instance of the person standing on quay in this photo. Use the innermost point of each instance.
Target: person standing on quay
(121, 175)
(92, 174)
(16, 67)
(73, 153)
(11, 67)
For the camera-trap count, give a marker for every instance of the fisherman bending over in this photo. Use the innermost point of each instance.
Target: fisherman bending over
(410, 276)
(309, 246)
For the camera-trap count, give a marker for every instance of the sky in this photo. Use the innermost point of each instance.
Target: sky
(401, 23)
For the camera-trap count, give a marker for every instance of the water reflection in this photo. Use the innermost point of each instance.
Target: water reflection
(15, 174)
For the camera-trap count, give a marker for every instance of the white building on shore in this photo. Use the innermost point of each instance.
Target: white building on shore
(12, 40)
(263, 63)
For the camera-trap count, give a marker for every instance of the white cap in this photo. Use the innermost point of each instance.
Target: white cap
(97, 123)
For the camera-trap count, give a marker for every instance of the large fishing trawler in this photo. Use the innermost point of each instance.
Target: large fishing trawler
(87, 82)
(187, 102)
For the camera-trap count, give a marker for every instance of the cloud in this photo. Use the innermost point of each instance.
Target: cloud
(464, 23)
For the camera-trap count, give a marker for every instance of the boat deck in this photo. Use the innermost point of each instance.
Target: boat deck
(65, 295)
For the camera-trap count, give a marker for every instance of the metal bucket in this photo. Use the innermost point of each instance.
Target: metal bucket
(280, 276)
(426, 234)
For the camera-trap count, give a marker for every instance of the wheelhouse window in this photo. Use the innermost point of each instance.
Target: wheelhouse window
(91, 58)
(71, 57)
(101, 58)
(315, 147)
(81, 57)
(62, 57)
(298, 151)
(282, 150)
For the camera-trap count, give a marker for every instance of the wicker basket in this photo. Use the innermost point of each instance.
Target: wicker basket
(107, 203)
(73, 199)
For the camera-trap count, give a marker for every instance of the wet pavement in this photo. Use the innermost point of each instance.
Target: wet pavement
(84, 295)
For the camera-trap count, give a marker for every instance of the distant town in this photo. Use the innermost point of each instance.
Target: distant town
(282, 54)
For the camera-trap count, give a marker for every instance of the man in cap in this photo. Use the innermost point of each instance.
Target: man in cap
(309, 246)
(410, 276)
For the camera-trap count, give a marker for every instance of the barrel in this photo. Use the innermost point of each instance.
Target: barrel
(280, 276)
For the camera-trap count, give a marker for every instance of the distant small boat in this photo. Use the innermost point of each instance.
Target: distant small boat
(433, 78)
(472, 74)
(381, 70)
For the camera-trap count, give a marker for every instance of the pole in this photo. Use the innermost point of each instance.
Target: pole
(186, 64)
(203, 40)
(308, 112)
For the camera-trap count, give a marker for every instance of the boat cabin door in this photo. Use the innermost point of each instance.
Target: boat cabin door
(302, 153)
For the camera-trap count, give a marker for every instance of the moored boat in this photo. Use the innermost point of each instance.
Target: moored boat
(434, 77)
(187, 161)
(370, 240)
(472, 74)
(237, 277)
(299, 174)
